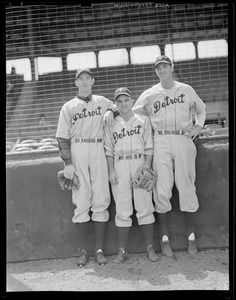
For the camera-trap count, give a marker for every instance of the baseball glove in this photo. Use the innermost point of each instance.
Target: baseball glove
(68, 184)
(144, 178)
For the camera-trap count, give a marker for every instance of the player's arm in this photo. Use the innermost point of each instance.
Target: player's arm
(148, 137)
(109, 116)
(113, 108)
(109, 148)
(63, 140)
(148, 161)
(64, 150)
(140, 106)
(200, 115)
(113, 177)
(148, 144)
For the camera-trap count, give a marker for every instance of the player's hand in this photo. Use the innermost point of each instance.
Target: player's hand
(69, 171)
(68, 184)
(113, 177)
(108, 118)
(193, 131)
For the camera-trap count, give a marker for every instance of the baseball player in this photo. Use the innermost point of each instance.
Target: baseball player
(129, 146)
(170, 105)
(80, 137)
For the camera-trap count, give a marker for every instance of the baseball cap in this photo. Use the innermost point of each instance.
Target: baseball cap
(79, 71)
(122, 91)
(163, 59)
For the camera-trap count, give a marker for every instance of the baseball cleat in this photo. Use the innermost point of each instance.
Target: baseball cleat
(100, 258)
(151, 255)
(121, 256)
(83, 258)
(192, 249)
(166, 249)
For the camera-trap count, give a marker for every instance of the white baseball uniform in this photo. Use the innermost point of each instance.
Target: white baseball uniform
(82, 123)
(124, 141)
(174, 154)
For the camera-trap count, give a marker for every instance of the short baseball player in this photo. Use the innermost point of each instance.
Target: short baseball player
(80, 137)
(129, 146)
(170, 105)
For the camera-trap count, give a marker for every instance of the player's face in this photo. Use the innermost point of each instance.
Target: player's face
(164, 71)
(84, 82)
(124, 104)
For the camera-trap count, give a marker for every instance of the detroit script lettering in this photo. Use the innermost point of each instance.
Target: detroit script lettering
(86, 113)
(167, 101)
(124, 132)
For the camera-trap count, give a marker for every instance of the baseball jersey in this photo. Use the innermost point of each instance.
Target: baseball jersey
(171, 109)
(129, 137)
(79, 119)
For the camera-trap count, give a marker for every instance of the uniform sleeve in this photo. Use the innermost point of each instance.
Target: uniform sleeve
(112, 106)
(64, 124)
(199, 107)
(109, 103)
(148, 138)
(108, 141)
(140, 105)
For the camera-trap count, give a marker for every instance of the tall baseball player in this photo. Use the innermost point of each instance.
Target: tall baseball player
(129, 146)
(80, 137)
(170, 106)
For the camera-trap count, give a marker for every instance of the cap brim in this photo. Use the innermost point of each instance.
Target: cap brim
(163, 62)
(122, 93)
(84, 72)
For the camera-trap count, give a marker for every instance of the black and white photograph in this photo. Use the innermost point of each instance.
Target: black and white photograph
(117, 147)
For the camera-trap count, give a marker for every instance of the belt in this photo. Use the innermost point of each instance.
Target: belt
(78, 140)
(131, 156)
(180, 132)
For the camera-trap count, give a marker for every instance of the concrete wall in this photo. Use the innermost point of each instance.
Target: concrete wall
(39, 214)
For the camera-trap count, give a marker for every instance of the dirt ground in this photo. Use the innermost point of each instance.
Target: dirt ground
(208, 271)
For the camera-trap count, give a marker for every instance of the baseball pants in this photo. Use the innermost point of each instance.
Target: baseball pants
(174, 161)
(123, 193)
(93, 194)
